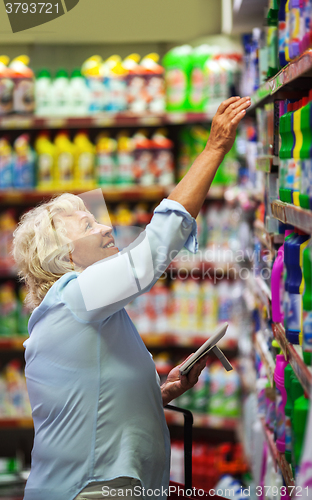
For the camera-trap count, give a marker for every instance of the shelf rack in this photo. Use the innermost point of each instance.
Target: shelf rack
(267, 239)
(102, 120)
(291, 214)
(278, 458)
(205, 421)
(265, 163)
(297, 71)
(294, 354)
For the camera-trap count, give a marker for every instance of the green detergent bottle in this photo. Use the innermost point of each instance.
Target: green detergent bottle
(300, 415)
(306, 127)
(287, 137)
(307, 305)
(177, 63)
(297, 152)
(296, 391)
(198, 87)
(288, 375)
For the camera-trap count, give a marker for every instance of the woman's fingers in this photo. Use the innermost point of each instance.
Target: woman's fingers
(238, 117)
(243, 106)
(232, 108)
(225, 104)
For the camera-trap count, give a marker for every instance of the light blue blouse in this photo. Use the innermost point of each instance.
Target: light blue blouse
(93, 388)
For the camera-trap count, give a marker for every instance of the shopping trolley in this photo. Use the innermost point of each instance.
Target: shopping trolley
(177, 490)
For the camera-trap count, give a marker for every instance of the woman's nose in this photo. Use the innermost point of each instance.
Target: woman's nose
(105, 230)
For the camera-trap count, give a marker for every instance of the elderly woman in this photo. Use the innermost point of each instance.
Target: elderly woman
(96, 400)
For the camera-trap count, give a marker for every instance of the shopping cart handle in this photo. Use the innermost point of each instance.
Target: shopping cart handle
(188, 438)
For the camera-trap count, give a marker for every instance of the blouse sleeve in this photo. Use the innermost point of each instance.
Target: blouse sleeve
(108, 285)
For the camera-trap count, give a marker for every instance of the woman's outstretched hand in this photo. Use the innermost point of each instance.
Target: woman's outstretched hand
(177, 384)
(224, 124)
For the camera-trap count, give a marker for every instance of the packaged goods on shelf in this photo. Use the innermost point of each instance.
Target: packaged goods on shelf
(14, 314)
(200, 79)
(7, 226)
(14, 400)
(17, 163)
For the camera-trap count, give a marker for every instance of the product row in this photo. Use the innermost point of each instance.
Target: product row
(14, 401)
(288, 34)
(126, 160)
(188, 80)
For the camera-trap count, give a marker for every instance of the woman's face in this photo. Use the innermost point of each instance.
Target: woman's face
(92, 241)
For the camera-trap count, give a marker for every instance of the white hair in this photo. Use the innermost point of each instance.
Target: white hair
(41, 249)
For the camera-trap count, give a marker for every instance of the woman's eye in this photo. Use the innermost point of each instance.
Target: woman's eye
(88, 226)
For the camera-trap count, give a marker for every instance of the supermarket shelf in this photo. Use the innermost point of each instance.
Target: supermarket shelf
(261, 290)
(267, 239)
(294, 354)
(266, 356)
(101, 120)
(291, 214)
(297, 71)
(16, 422)
(278, 458)
(204, 421)
(14, 343)
(265, 163)
(136, 193)
(167, 340)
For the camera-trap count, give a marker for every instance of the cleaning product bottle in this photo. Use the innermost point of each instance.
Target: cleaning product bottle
(286, 149)
(287, 30)
(280, 401)
(297, 152)
(163, 159)
(154, 83)
(143, 166)
(307, 301)
(8, 310)
(6, 164)
(78, 94)
(300, 415)
(61, 93)
(115, 84)
(177, 64)
(92, 70)
(136, 83)
(198, 88)
(306, 163)
(65, 160)
(282, 151)
(84, 162)
(106, 148)
(24, 85)
(23, 312)
(307, 24)
(295, 287)
(45, 150)
(296, 392)
(43, 93)
(288, 375)
(301, 289)
(272, 39)
(290, 236)
(276, 287)
(6, 86)
(282, 33)
(24, 163)
(7, 227)
(125, 159)
(294, 33)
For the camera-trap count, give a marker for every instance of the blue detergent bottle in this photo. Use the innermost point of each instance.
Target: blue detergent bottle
(294, 282)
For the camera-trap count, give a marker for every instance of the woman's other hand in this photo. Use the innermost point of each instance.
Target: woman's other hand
(176, 384)
(224, 124)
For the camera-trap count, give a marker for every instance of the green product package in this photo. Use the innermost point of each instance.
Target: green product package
(177, 63)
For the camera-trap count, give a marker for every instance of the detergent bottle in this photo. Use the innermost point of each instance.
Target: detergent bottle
(8, 310)
(43, 93)
(306, 164)
(280, 401)
(115, 84)
(297, 152)
(177, 64)
(45, 151)
(92, 70)
(61, 93)
(24, 163)
(296, 392)
(6, 164)
(300, 415)
(24, 85)
(136, 83)
(154, 83)
(125, 159)
(65, 160)
(6, 86)
(282, 33)
(289, 239)
(198, 85)
(295, 286)
(277, 287)
(84, 162)
(307, 24)
(78, 93)
(272, 40)
(287, 30)
(23, 312)
(288, 375)
(307, 300)
(287, 142)
(163, 159)
(143, 165)
(106, 148)
(294, 33)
